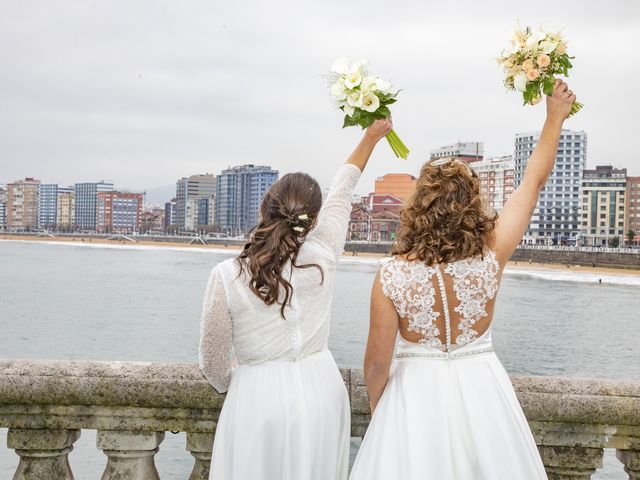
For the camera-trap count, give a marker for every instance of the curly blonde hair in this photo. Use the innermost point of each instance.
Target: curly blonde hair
(445, 219)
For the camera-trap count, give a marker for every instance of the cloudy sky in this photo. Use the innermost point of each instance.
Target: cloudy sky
(143, 92)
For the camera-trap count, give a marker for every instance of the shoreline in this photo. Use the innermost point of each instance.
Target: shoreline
(513, 266)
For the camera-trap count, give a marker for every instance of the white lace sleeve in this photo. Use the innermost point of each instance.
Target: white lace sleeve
(333, 220)
(216, 334)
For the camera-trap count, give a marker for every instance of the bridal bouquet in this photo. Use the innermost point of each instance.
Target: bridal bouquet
(363, 98)
(531, 62)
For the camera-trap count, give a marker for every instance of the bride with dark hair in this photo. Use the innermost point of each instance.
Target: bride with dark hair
(286, 415)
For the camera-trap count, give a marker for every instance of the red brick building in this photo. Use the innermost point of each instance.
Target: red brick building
(632, 209)
(384, 225)
(400, 185)
(379, 202)
(358, 223)
(118, 212)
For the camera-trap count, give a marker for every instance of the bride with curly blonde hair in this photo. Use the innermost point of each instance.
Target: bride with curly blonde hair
(442, 404)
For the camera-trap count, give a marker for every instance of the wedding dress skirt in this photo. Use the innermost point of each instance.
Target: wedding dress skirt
(284, 420)
(448, 417)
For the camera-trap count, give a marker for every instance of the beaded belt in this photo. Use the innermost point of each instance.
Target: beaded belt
(444, 355)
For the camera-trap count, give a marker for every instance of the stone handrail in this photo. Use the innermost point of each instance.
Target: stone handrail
(46, 404)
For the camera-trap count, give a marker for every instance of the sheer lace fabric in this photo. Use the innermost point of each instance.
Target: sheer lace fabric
(420, 295)
(237, 324)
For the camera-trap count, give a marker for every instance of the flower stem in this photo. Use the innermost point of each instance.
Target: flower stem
(394, 146)
(575, 108)
(399, 148)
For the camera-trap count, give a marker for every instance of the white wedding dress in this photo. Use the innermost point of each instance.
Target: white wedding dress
(286, 415)
(448, 411)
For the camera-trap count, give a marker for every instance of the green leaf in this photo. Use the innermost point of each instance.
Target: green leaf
(366, 121)
(547, 86)
(383, 112)
(349, 122)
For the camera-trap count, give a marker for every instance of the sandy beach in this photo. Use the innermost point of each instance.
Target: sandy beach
(523, 265)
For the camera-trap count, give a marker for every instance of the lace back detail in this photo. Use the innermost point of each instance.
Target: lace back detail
(475, 282)
(411, 286)
(408, 286)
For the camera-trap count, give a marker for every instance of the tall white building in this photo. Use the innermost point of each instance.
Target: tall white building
(3, 208)
(86, 201)
(465, 151)
(188, 191)
(556, 219)
(239, 195)
(47, 205)
(496, 180)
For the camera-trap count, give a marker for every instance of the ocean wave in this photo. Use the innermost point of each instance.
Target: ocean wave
(544, 274)
(573, 276)
(131, 246)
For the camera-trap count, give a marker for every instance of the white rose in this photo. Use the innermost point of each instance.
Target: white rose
(352, 80)
(536, 37)
(354, 99)
(348, 109)
(520, 81)
(548, 46)
(370, 103)
(341, 66)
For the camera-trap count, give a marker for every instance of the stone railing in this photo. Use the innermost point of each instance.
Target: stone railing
(46, 404)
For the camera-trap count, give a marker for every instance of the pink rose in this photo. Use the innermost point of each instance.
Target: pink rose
(528, 65)
(532, 74)
(561, 49)
(543, 60)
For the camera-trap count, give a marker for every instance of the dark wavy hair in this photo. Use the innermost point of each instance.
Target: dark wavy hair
(445, 219)
(288, 212)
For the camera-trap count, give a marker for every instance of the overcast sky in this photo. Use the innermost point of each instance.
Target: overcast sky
(145, 92)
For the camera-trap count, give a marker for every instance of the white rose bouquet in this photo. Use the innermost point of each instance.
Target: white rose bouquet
(531, 62)
(363, 98)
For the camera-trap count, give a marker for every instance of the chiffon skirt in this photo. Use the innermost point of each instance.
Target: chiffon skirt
(448, 418)
(284, 420)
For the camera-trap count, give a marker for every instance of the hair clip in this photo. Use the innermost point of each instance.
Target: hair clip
(303, 217)
(444, 161)
(299, 229)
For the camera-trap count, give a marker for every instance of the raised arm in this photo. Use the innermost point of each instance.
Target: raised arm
(383, 329)
(515, 216)
(215, 335)
(333, 219)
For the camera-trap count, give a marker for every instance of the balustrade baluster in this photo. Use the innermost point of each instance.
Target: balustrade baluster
(131, 454)
(44, 454)
(631, 461)
(200, 445)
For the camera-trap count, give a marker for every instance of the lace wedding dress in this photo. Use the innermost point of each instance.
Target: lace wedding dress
(286, 415)
(448, 411)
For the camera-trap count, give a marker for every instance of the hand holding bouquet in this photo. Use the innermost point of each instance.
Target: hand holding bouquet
(364, 98)
(531, 62)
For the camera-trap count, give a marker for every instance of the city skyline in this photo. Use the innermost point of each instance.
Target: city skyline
(155, 107)
(364, 187)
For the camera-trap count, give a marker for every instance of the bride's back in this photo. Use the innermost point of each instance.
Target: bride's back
(444, 274)
(445, 306)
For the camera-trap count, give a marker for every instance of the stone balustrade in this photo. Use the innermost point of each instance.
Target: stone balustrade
(46, 404)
